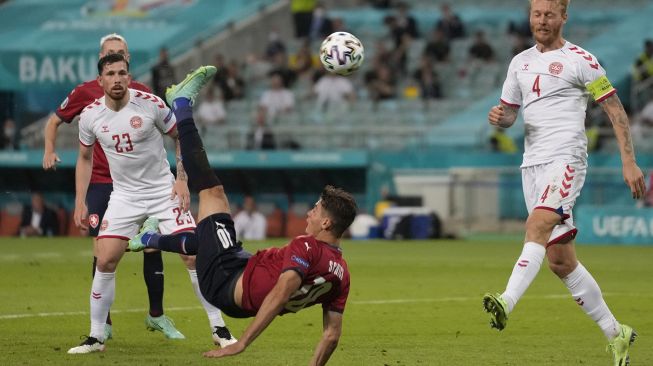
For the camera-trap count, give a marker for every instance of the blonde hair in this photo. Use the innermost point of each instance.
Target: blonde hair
(112, 37)
(564, 4)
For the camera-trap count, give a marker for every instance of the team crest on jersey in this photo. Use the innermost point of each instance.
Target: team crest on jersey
(105, 225)
(64, 103)
(555, 68)
(93, 220)
(105, 128)
(136, 122)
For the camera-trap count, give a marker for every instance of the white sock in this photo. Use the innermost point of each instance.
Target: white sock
(526, 268)
(587, 294)
(214, 314)
(103, 292)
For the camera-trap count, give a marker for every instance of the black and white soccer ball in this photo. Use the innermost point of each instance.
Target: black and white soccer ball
(342, 53)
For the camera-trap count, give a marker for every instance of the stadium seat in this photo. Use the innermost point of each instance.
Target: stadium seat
(9, 223)
(276, 225)
(296, 220)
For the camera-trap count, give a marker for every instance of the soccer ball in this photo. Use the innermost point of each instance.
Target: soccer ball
(342, 53)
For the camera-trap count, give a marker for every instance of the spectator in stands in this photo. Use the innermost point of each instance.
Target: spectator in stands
(402, 40)
(9, 138)
(380, 83)
(450, 23)
(521, 28)
(275, 45)
(220, 78)
(334, 93)
(481, 49)
(280, 66)
(302, 13)
(303, 63)
(260, 137)
(163, 74)
(406, 23)
(437, 48)
(642, 130)
(321, 24)
(38, 219)
(231, 83)
(501, 142)
(250, 224)
(257, 69)
(427, 79)
(643, 68)
(278, 99)
(210, 112)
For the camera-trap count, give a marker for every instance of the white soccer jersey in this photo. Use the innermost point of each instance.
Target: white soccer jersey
(132, 140)
(551, 88)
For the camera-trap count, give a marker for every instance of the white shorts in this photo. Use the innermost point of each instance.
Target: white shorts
(555, 186)
(126, 213)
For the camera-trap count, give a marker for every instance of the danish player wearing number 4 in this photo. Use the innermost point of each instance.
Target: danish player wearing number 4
(552, 82)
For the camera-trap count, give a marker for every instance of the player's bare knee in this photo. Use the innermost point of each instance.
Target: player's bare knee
(561, 267)
(106, 265)
(189, 261)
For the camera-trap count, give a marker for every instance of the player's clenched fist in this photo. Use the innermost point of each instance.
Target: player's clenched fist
(496, 115)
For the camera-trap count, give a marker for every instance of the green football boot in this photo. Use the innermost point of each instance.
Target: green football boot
(164, 325)
(135, 244)
(190, 87)
(498, 310)
(620, 345)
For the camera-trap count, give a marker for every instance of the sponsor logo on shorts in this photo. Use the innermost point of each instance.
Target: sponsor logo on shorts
(94, 220)
(136, 122)
(555, 68)
(105, 225)
(301, 261)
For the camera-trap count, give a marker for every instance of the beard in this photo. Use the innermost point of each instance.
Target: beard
(116, 94)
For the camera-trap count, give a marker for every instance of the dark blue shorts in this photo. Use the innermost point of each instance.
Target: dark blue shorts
(97, 200)
(220, 261)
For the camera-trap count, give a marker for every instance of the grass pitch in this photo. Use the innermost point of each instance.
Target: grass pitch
(411, 303)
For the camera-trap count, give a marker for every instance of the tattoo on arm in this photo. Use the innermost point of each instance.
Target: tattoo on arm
(181, 172)
(615, 111)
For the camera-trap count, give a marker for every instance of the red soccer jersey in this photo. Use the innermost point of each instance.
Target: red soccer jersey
(325, 277)
(83, 95)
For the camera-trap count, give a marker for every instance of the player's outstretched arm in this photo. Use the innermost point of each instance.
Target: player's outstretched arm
(180, 188)
(633, 175)
(502, 115)
(330, 336)
(50, 158)
(82, 179)
(286, 285)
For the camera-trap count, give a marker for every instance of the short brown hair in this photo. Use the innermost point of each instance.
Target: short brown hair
(109, 59)
(341, 208)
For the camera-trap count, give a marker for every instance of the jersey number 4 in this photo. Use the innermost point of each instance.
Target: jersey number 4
(536, 86)
(123, 140)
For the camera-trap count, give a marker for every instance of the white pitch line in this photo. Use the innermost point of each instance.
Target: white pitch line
(69, 313)
(357, 302)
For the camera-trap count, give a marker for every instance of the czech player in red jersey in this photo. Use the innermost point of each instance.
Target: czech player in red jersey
(309, 270)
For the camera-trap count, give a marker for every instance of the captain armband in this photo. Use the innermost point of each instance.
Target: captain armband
(600, 88)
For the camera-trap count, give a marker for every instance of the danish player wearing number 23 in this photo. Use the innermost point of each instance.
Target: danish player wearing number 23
(552, 82)
(129, 126)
